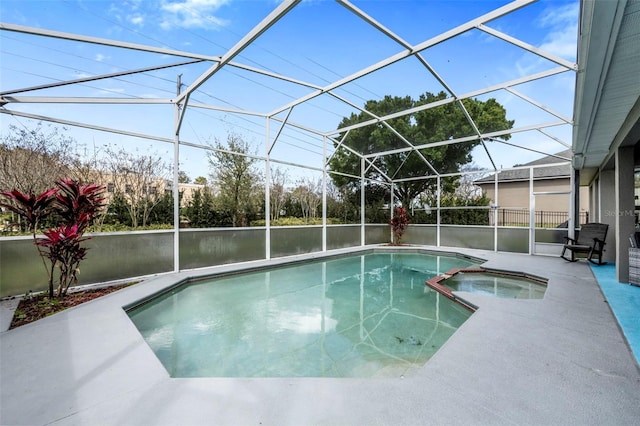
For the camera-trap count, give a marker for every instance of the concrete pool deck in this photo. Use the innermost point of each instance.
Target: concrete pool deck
(559, 360)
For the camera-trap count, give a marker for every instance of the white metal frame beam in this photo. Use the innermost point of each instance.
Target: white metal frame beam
(280, 11)
(99, 77)
(504, 10)
(470, 138)
(494, 88)
(528, 47)
(103, 41)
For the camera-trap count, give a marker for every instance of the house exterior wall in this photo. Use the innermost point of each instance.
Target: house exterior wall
(134, 187)
(516, 194)
(625, 210)
(607, 208)
(187, 190)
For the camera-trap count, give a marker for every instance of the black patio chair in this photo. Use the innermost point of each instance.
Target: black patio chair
(591, 240)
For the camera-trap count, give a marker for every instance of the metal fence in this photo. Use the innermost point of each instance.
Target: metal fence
(543, 219)
(116, 256)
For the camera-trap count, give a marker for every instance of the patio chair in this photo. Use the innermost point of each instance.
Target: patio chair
(591, 240)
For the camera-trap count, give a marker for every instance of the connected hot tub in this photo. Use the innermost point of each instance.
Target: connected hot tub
(501, 284)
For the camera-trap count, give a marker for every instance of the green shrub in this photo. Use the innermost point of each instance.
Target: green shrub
(297, 221)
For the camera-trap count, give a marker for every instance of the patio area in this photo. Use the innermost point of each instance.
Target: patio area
(569, 358)
(560, 360)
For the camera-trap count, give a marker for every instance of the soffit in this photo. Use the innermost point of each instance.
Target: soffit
(608, 83)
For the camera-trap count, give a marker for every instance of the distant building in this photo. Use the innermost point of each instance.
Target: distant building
(136, 187)
(187, 190)
(551, 186)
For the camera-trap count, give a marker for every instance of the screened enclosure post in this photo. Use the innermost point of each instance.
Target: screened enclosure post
(438, 211)
(362, 215)
(598, 212)
(391, 205)
(324, 194)
(323, 316)
(495, 212)
(176, 205)
(175, 187)
(532, 214)
(574, 204)
(362, 333)
(267, 195)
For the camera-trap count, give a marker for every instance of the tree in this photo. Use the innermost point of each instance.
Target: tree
(461, 215)
(467, 187)
(376, 198)
(277, 192)
(183, 177)
(117, 211)
(339, 205)
(196, 208)
(162, 212)
(308, 195)
(429, 125)
(200, 180)
(33, 160)
(344, 203)
(90, 168)
(139, 179)
(200, 210)
(236, 179)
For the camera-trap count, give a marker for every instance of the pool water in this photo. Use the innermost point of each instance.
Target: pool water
(362, 316)
(496, 284)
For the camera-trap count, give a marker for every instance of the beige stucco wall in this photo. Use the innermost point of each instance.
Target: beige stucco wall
(187, 190)
(516, 195)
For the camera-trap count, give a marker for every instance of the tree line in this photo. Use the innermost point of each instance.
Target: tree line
(139, 190)
(138, 186)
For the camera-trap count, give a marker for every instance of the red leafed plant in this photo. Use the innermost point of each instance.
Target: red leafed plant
(64, 251)
(399, 223)
(76, 205)
(31, 207)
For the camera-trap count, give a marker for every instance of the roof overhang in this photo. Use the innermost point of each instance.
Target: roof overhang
(607, 107)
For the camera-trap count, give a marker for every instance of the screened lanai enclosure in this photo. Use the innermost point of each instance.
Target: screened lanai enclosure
(460, 112)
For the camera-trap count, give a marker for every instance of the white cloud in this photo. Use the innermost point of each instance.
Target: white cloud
(192, 14)
(115, 11)
(560, 26)
(136, 19)
(100, 57)
(133, 4)
(559, 16)
(128, 12)
(562, 23)
(82, 75)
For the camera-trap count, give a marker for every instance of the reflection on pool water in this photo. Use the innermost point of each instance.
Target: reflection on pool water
(362, 316)
(496, 284)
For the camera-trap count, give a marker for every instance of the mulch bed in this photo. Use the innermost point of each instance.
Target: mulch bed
(40, 306)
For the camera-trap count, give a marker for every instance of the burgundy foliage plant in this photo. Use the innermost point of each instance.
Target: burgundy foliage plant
(399, 223)
(76, 206)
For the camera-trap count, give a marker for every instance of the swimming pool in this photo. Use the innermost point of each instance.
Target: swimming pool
(367, 315)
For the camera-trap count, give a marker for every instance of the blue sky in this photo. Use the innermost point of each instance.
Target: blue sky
(318, 42)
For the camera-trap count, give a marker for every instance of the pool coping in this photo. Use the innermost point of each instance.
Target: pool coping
(558, 360)
(201, 274)
(436, 283)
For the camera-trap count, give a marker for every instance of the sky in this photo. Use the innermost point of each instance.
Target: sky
(317, 42)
